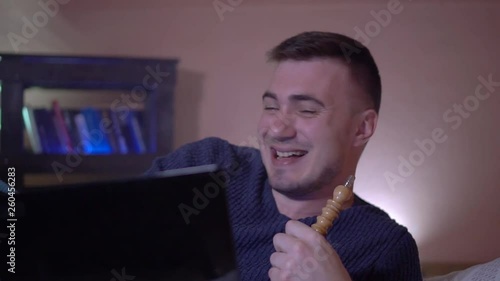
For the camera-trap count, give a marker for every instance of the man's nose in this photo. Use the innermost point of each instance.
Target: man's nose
(282, 128)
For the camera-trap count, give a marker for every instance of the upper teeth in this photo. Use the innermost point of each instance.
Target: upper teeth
(290, 153)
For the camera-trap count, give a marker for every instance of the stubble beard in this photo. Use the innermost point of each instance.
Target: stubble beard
(306, 186)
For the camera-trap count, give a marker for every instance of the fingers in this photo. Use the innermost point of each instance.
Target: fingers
(283, 242)
(280, 260)
(305, 241)
(299, 239)
(304, 232)
(276, 274)
(296, 228)
(303, 254)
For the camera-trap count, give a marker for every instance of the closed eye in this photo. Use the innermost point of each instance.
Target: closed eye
(270, 108)
(309, 113)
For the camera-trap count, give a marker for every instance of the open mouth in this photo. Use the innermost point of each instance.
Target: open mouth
(287, 154)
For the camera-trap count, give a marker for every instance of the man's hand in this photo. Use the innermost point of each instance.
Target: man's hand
(303, 254)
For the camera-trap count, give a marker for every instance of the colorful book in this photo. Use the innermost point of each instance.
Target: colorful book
(69, 122)
(32, 130)
(47, 132)
(85, 146)
(117, 131)
(107, 127)
(61, 129)
(136, 133)
(98, 138)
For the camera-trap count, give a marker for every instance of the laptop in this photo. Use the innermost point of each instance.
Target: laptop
(173, 225)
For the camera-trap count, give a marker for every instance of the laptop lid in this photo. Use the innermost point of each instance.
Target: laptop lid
(170, 226)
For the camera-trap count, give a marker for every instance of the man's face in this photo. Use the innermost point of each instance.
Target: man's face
(306, 127)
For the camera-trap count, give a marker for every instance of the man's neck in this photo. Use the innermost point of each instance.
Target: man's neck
(306, 206)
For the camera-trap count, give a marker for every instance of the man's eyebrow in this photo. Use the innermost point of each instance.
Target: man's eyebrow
(269, 95)
(306, 97)
(294, 98)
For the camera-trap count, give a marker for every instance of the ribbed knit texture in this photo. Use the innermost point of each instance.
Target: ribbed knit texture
(370, 244)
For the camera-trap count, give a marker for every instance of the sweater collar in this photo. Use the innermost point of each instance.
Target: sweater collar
(272, 209)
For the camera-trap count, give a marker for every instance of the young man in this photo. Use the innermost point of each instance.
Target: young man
(319, 112)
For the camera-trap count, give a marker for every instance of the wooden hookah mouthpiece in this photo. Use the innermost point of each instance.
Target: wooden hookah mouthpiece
(341, 195)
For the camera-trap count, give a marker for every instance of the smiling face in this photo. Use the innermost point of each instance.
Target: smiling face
(307, 130)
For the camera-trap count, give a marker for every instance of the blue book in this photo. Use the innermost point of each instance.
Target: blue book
(84, 146)
(136, 132)
(97, 138)
(69, 121)
(117, 131)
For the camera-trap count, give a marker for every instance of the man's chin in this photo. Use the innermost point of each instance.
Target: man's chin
(290, 172)
(288, 186)
(292, 191)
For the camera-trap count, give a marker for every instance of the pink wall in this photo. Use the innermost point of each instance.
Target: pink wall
(430, 55)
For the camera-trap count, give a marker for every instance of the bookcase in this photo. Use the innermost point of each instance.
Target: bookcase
(135, 95)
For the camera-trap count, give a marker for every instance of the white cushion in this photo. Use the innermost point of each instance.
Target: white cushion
(482, 272)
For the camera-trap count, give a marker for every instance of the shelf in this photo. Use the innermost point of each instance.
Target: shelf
(154, 76)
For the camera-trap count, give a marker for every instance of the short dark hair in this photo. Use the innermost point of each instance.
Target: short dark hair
(317, 44)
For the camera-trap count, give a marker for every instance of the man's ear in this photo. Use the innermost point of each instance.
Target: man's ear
(366, 123)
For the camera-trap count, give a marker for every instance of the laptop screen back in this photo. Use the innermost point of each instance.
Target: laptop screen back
(170, 227)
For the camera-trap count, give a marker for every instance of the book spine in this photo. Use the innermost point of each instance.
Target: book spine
(100, 142)
(46, 124)
(83, 133)
(62, 130)
(117, 129)
(137, 133)
(108, 130)
(69, 121)
(32, 130)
